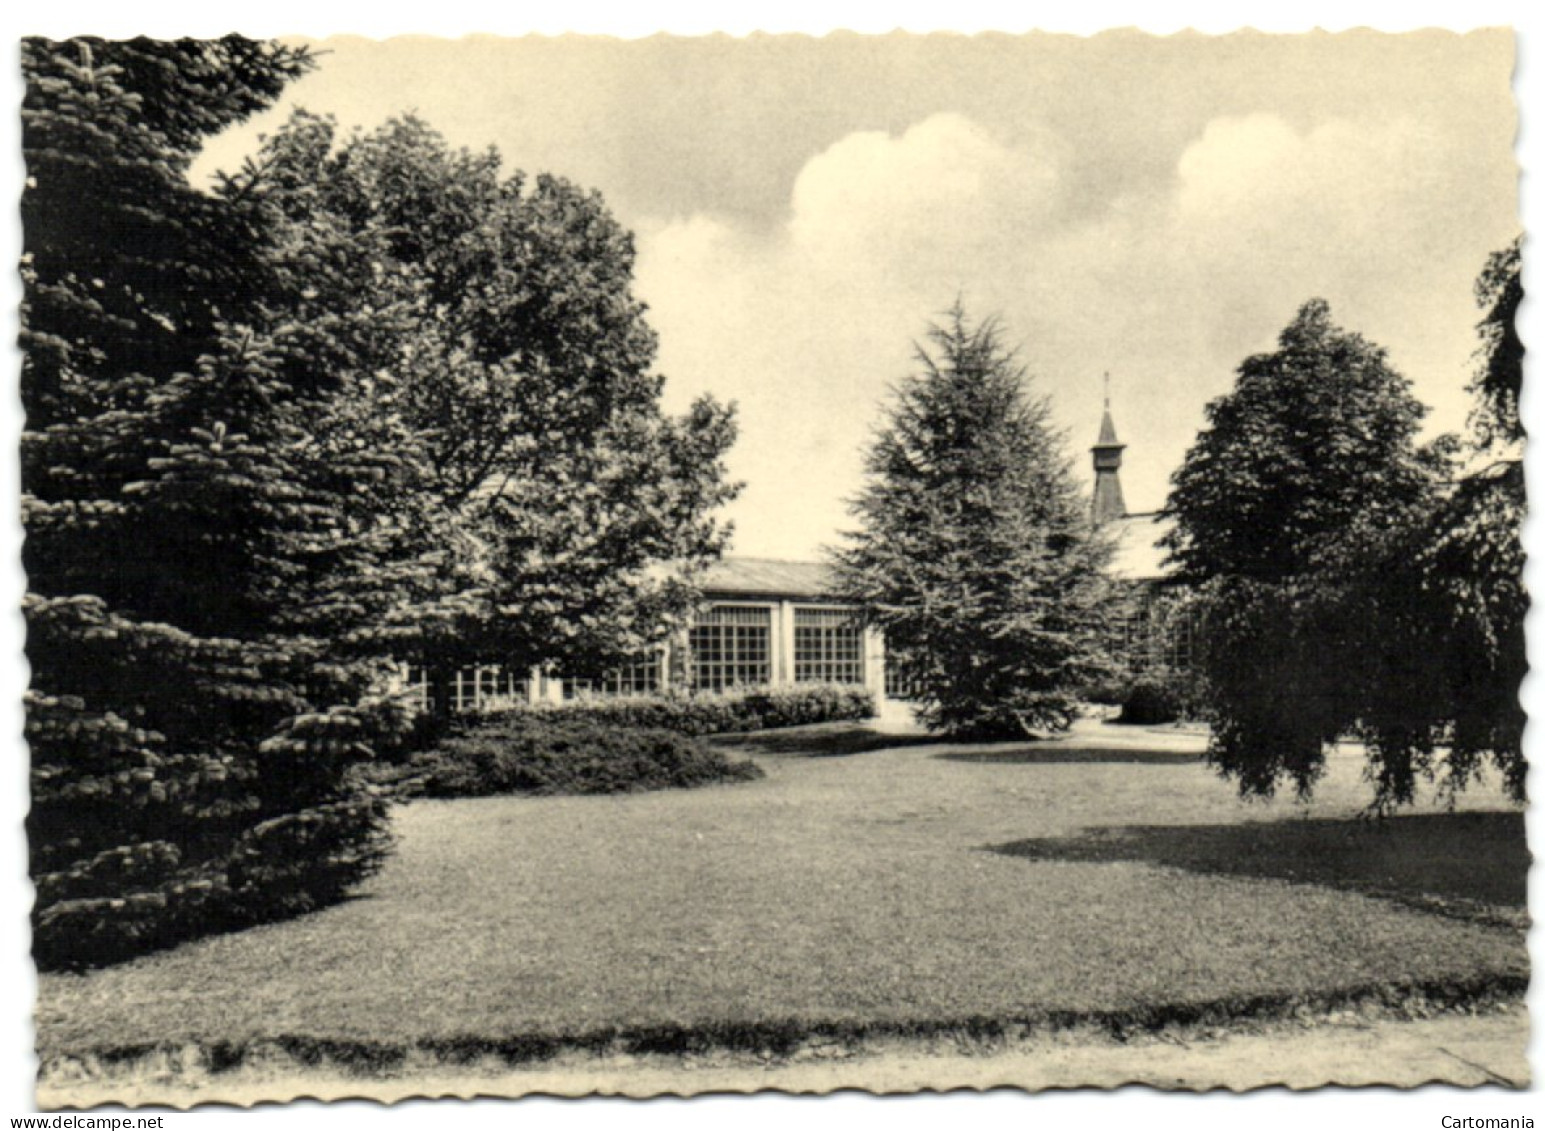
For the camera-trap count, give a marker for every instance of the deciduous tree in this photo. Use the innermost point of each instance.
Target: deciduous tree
(1303, 514)
(551, 513)
(1466, 564)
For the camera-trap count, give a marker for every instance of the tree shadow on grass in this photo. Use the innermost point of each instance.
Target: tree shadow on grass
(1466, 865)
(822, 740)
(1060, 755)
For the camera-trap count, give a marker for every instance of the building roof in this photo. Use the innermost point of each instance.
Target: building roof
(1138, 556)
(767, 577)
(1107, 431)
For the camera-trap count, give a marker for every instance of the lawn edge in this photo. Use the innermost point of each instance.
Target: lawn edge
(177, 1063)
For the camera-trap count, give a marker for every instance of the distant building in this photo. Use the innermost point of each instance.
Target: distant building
(1157, 628)
(1109, 505)
(766, 622)
(762, 622)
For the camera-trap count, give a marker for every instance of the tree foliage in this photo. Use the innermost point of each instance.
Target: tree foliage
(191, 735)
(1470, 559)
(547, 511)
(1330, 555)
(369, 401)
(974, 553)
(1499, 375)
(120, 256)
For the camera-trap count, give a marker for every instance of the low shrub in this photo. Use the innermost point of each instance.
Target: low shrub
(729, 712)
(1108, 692)
(543, 753)
(1163, 697)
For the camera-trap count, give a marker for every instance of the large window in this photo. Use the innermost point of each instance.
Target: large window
(640, 678)
(1158, 630)
(729, 645)
(828, 647)
(415, 685)
(489, 687)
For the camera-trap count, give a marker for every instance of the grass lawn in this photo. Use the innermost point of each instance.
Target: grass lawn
(867, 884)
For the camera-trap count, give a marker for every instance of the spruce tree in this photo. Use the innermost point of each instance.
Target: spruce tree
(192, 727)
(974, 553)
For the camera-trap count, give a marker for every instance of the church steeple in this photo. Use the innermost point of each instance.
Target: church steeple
(1108, 502)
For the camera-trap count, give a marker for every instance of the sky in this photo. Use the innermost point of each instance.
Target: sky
(1154, 208)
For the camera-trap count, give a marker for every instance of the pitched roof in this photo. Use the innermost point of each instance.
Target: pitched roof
(1107, 431)
(767, 577)
(1138, 556)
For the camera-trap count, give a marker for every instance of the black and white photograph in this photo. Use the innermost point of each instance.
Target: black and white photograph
(891, 561)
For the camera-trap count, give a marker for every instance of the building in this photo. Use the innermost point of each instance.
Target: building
(762, 622)
(1157, 627)
(765, 622)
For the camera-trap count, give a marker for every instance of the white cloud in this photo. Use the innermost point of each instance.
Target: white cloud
(924, 201)
(1168, 289)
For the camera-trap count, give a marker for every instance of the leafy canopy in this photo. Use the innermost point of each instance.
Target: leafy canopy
(488, 336)
(1316, 438)
(1335, 568)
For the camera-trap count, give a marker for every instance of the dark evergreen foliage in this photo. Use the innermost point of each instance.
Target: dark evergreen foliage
(191, 731)
(367, 402)
(975, 553)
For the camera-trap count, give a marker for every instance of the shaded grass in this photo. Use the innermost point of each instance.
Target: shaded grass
(822, 740)
(1471, 865)
(837, 895)
(1068, 755)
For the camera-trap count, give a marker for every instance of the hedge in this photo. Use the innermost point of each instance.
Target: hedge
(1162, 697)
(540, 753)
(729, 712)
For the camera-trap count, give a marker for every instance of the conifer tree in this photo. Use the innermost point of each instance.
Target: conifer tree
(191, 728)
(974, 552)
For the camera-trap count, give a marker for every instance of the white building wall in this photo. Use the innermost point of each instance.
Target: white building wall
(548, 687)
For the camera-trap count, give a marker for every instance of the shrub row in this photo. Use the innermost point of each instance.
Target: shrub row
(730, 712)
(544, 753)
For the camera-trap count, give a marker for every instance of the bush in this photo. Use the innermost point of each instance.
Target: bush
(539, 753)
(1160, 698)
(1109, 692)
(729, 712)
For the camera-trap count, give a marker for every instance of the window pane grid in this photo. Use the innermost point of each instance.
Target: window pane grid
(828, 647)
(729, 646)
(488, 687)
(900, 683)
(642, 677)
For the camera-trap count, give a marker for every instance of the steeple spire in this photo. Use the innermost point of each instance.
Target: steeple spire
(1108, 501)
